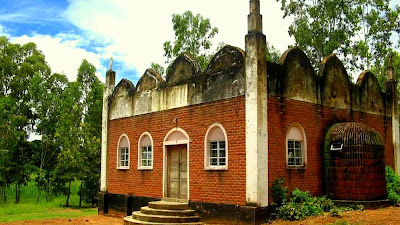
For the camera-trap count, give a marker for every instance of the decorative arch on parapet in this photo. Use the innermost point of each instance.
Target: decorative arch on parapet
(370, 97)
(125, 86)
(335, 85)
(182, 69)
(299, 80)
(228, 59)
(150, 80)
(225, 74)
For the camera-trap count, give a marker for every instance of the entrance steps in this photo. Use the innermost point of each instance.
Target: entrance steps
(167, 211)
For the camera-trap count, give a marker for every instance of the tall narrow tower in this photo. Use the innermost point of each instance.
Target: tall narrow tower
(256, 110)
(108, 89)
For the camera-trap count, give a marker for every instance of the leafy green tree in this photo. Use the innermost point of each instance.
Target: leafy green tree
(158, 68)
(18, 65)
(46, 92)
(92, 117)
(69, 134)
(193, 35)
(358, 31)
(272, 54)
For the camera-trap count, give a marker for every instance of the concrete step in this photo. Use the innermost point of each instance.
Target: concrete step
(174, 200)
(169, 205)
(165, 212)
(164, 219)
(130, 221)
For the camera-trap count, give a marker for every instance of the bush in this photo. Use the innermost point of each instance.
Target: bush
(300, 205)
(279, 192)
(392, 186)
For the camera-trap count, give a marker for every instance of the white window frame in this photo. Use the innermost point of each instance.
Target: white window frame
(119, 153)
(140, 166)
(303, 147)
(207, 149)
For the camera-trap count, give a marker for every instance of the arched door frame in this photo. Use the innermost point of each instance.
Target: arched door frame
(167, 143)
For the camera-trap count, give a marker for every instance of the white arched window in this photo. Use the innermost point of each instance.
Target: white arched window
(145, 151)
(123, 152)
(216, 148)
(296, 146)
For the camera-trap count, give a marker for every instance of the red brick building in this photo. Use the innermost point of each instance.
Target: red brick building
(219, 138)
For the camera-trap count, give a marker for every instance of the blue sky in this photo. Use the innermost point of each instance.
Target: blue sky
(130, 31)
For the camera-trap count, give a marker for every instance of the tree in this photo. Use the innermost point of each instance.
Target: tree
(79, 135)
(272, 54)
(193, 35)
(46, 92)
(157, 67)
(18, 65)
(70, 160)
(92, 117)
(358, 31)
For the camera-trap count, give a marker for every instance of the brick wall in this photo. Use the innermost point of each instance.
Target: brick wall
(205, 186)
(315, 121)
(228, 187)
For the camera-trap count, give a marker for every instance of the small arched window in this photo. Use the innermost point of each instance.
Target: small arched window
(296, 146)
(216, 148)
(145, 151)
(123, 152)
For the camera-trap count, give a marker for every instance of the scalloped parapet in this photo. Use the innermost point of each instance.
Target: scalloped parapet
(184, 68)
(292, 78)
(185, 84)
(299, 77)
(121, 100)
(335, 85)
(367, 95)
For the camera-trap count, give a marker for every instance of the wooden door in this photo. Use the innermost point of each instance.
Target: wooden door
(177, 172)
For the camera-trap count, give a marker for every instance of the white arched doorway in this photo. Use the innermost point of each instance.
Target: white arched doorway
(176, 164)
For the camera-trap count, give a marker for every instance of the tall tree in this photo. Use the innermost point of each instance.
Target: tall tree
(193, 35)
(46, 92)
(70, 160)
(18, 64)
(358, 31)
(92, 99)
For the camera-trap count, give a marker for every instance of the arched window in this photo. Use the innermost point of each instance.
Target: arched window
(145, 151)
(216, 148)
(123, 152)
(296, 146)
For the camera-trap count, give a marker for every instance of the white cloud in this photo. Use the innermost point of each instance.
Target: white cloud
(136, 30)
(3, 31)
(63, 54)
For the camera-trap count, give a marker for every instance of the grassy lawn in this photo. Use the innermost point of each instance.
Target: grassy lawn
(29, 209)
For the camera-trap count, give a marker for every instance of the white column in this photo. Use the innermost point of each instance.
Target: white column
(108, 89)
(256, 110)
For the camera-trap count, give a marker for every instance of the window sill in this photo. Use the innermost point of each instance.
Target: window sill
(145, 168)
(303, 167)
(123, 168)
(212, 168)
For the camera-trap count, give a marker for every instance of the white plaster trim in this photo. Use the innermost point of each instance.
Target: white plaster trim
(140, 167)
(304, 146)
(165, 144)
(207, 149)
(119, 153)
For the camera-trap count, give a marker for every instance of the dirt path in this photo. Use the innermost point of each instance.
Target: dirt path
(385, 216)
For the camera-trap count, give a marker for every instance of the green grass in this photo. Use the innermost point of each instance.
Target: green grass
(29, 209)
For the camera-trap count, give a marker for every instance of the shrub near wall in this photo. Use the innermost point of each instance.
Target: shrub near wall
(299, 206)
(392, 186)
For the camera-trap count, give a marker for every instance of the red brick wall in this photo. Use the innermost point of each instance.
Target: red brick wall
(229, 186)
(205, 186)
(315, 121)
